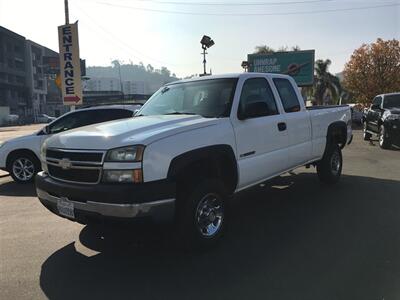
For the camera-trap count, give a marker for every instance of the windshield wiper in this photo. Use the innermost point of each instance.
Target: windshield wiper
(180, 113)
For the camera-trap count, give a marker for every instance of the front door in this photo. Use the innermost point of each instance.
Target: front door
(261, 139)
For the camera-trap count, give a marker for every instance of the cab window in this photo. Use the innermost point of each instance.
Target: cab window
(256, 91)
(287, 94)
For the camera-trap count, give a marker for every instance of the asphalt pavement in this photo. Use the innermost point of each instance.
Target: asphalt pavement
(293, 238)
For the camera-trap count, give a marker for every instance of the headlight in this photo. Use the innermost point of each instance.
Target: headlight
(393, 117)
(126, 154)
(123, 176)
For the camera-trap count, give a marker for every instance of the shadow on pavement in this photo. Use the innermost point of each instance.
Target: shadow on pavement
(292, 239)
(11, 188)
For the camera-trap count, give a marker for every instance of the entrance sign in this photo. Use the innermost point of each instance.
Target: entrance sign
(298, 64)
(70, 65)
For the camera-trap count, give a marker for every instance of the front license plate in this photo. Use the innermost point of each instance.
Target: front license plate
(66, 208)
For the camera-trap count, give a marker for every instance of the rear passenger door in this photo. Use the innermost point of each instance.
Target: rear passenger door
(298, 123)
(261, 140)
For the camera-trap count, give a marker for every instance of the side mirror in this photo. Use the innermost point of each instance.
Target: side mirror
(135, 112)
(254, 110)
(375, 106)
(46, 129)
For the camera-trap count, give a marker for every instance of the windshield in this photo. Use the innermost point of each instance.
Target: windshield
(208, 98)
(391, 101)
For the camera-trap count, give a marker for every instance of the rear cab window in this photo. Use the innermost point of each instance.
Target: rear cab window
(288, 95)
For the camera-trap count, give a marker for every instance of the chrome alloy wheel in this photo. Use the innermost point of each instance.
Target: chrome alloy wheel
(23, 169)
(336, 163)
(209, 215)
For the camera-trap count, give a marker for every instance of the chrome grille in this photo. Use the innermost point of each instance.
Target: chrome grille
(80, 166)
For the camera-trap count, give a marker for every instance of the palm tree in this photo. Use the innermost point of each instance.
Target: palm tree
(325, 81)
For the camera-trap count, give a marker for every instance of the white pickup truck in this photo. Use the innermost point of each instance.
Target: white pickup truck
(191, 146)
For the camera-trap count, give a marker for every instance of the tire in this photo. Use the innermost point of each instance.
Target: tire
(329, 168)
(23, 167)
(366, 135)
(201, 214)
(384, 140)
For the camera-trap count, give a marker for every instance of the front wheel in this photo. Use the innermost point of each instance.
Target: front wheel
(329, 168)
(201, 213)
(384, 141)
(23, 167)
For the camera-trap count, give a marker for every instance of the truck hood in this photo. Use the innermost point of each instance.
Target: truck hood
(138, 130)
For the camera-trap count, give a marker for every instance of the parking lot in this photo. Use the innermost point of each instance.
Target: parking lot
(290, 239)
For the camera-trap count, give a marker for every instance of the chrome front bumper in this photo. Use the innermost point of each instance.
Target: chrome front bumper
(161, 209)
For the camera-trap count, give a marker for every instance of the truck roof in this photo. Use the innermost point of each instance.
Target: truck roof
(229, 75)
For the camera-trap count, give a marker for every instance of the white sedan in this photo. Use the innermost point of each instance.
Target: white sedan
(21, 156)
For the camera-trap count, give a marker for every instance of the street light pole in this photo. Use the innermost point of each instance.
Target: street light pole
(204, 59)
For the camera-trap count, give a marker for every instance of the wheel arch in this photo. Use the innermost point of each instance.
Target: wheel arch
(25, 151)
(217, 158)
(337, 134)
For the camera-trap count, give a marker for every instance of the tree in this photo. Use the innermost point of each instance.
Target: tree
(325, 82)
(264, 49)
(373, 69)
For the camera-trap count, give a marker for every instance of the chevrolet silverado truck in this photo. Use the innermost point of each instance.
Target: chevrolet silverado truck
(191, 146)
(383, 119)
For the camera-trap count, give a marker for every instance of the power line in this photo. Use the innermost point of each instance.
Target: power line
(249, 14)
(232, 3)
(136, 53)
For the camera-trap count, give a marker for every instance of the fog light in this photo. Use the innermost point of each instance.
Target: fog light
(123, 176)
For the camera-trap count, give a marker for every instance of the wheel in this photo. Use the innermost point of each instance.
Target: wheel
(23, 167)
(329, 168)
(366, 135)
(384, 141)
(201, 213)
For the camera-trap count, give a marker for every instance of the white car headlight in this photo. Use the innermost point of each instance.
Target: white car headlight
(126, 154)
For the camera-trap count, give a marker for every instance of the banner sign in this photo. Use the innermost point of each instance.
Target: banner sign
(70, 64)
(298, 64)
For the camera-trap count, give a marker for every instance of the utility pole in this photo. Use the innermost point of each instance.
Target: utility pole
(66, 12)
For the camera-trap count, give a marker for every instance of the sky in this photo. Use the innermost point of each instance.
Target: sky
(168, 32)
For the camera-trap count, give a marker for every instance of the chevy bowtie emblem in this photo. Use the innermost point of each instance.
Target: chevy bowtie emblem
(65, 164)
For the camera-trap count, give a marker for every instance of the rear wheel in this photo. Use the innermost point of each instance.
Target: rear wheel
(384, 140)
(201, 213)
(329, 168)
(23, 167)
(366, 135)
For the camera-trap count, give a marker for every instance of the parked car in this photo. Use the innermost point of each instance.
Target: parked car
(192, 145)
(383, 119)
(21, 156)
(43, 118)
(12, 119)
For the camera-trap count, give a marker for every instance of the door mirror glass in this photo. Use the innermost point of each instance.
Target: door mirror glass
(254, 110)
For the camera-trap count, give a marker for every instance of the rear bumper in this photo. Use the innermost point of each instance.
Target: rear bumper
(109, 202)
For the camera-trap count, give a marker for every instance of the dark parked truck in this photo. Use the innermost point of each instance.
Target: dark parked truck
(383, 119)
(189, 148)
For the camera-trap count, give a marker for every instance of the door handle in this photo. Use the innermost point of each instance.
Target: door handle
(282, 126)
